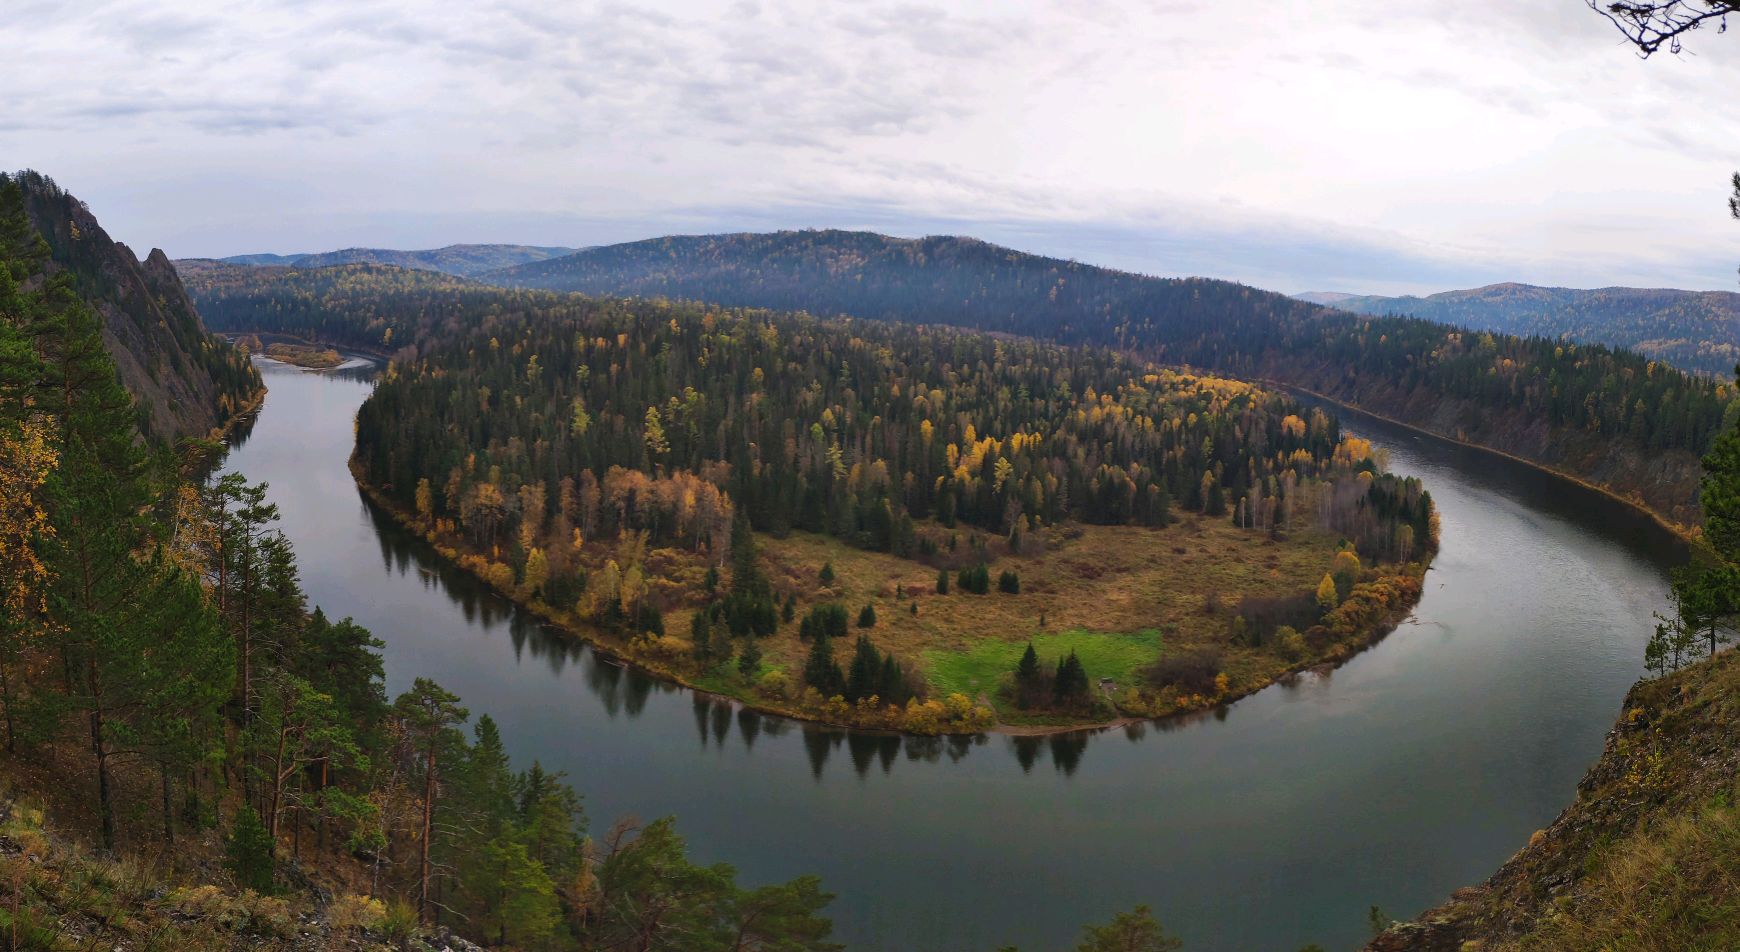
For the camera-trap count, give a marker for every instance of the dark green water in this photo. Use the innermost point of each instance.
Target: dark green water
(1412, 770)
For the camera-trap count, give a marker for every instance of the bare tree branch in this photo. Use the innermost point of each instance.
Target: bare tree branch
(1651, 26)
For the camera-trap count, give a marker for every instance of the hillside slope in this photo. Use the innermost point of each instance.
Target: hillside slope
(186, 381)
(462, 260)
(1648, 857)
(1601, 415)
(1694, 330)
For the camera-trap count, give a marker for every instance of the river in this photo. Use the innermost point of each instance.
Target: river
(1415, 768)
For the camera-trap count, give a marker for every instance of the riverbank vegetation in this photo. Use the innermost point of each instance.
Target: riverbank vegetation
(166, 690)
(703, 490)
(301, 355)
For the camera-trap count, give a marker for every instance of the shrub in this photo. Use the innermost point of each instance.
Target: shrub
(1289, 643)
(1009, 583)
(400, 921)
(826, 576)
(976, 579)
(774, 684)
(351, 911)
(1265, 615)
(1191, 672)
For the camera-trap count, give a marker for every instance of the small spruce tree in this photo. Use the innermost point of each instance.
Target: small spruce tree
(248, 852)
(867, 616)
(749, 661)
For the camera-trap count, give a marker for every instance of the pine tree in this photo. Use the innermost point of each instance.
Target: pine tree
(428, 714)
(516, 899)
(867, 616)
(826, 576)
(942, 581)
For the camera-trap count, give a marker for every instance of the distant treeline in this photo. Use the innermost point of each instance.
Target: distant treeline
(1693, 330)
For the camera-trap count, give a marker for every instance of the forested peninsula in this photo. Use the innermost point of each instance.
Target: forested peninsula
(1610, 417)
(1011, 532)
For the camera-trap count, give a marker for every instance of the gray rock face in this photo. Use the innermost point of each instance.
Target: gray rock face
(187, 382)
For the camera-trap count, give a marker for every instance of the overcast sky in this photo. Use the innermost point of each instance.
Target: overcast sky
(1335, 145)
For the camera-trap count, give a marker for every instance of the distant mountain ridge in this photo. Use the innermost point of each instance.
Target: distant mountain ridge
(463, 260)
(186, 381)
(1694, 330)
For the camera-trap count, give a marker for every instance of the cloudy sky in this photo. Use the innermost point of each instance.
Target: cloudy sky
(1341, 144)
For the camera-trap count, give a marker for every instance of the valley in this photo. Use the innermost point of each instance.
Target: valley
(1491, 699)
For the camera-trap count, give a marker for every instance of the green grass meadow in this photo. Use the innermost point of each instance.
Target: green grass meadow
(981, 668)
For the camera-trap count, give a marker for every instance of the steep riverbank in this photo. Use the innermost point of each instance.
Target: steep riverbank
(1648, 855)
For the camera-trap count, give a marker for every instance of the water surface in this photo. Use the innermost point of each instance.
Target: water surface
(1414, 769)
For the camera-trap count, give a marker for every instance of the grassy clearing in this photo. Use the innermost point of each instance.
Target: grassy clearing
(1112, 594)
(979, 670)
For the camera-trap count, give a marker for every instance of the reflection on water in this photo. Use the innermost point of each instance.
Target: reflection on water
(1414, 769)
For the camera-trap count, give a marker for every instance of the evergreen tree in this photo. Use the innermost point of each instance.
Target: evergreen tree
(942, 582)
(516, 899)
(826, 576)
(428, 714)
(867, 616)
(1070, 685)
(248, 851)
(820, 670)
(865, 672)
(701, 636)
(749, 659)
(1134, 931)
(1029, 678)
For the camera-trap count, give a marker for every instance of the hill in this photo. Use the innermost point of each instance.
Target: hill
(462, 260)
(1693, 330)
(1596, 413)
(186, 382)
(364, 306)
(1326, 298)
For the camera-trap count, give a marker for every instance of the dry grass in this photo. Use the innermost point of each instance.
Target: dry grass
(1674, 888)
(1110, 581)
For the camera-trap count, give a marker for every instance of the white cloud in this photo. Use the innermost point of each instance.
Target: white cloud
(1336, 144)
